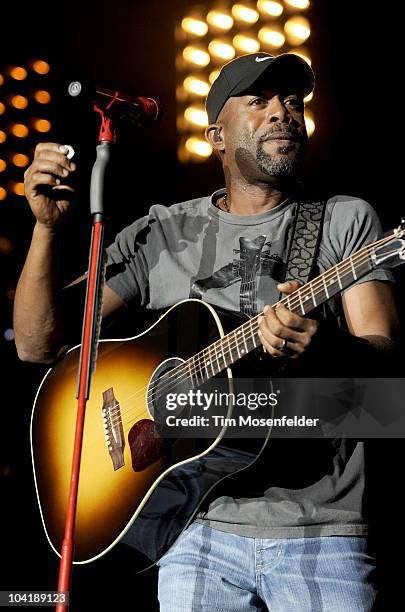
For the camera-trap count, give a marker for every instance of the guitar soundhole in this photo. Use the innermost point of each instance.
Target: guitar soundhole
(166, 379)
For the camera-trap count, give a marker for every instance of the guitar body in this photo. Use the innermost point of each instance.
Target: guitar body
(146, 491)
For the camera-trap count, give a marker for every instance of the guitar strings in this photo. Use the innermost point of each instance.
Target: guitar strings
(197, 362)
(188, 370)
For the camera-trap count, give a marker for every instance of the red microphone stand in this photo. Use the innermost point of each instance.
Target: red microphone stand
(90, 333)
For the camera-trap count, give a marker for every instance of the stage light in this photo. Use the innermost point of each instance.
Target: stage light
(42, 125)
(213, 76)
(297, 29)
(196, 115)
(19, 130)
(1, 79)
(309, 122)
(18, 73)
(220, 20)
(3, 165)
(247, 44)
(298, 4)
(3, 193)
(198, 147)
(272, 36)
(309, 97)
(241, 12)
(194, 26)
(18, 188)
(196, 86)
(6, 246)
(3, 137)
(221, 49)
(301, 52)
(42, 96)
(2, 108)
(19, 102)
(9, 334)
(40, 67)
(196, 56)
(274, 9)
(20, 160)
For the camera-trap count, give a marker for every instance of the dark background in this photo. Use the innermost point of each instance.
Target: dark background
(355, 150)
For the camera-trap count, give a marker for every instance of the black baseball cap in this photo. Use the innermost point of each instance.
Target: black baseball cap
(238, 75)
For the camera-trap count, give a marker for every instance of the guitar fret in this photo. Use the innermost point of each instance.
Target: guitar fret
(338, 278)
(313, 294)
(325, 286)
(353, 268)
(301, 304)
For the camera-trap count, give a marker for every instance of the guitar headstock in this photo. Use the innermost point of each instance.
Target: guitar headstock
(390, 252)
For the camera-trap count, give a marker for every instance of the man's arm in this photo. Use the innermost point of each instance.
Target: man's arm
(371, 313)
(40, 317)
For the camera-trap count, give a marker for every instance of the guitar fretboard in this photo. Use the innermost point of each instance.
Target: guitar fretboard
(241, 341)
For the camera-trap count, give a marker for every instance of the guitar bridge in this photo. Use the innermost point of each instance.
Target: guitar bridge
(113, 430)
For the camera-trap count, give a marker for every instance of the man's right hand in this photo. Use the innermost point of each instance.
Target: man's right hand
(46, 188)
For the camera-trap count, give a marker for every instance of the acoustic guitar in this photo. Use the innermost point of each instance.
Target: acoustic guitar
(139, 483)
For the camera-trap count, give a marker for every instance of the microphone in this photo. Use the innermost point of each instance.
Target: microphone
(141, 110)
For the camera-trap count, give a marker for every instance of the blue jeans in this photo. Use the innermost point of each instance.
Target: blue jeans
(209, 570)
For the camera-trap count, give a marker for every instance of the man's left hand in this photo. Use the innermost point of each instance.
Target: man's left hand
(284, 333)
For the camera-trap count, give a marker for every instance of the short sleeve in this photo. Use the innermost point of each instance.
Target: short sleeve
(354, 224)
(127, 268)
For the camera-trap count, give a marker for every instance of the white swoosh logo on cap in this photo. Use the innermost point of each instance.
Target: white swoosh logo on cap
(263, 59)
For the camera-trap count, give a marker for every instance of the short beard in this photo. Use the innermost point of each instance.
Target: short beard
(283, 167)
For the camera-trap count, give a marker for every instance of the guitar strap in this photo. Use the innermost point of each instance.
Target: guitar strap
(305, 239)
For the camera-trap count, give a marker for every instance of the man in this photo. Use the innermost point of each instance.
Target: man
(294, 539)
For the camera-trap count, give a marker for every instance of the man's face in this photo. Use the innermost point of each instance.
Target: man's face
(265, 133)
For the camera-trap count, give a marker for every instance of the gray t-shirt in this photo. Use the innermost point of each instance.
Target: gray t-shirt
(192, 249)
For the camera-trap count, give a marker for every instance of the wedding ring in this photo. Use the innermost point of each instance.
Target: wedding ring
(283, 346)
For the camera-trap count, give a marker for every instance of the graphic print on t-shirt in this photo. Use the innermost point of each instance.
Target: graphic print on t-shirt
(253, 259)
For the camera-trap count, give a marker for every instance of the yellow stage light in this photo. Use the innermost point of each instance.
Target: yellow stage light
(3, 165)
(247, 44)
(196, 115)
(194, 26)
(19, 102)
(221, 49)
(196, 86)
(42, 96)
(2, 108)
(20, 160)
(272, 36)
(1, 79)
(19, 130)
(213, 76)
(298, 4)
(274, 9)
(309, 122)
(42, 125)
(3, 136)
(3, 193)
(220, 20)
(41, 67)
(18, 73)
(198, 147)
(241, 12)
(297, 29)
(196, 56)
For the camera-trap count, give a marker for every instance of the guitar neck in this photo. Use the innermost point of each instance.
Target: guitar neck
(244, 339)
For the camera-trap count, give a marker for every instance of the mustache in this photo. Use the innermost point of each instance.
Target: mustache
(291, 132)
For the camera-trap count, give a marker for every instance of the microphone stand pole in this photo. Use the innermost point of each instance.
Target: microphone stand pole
(90, 333)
